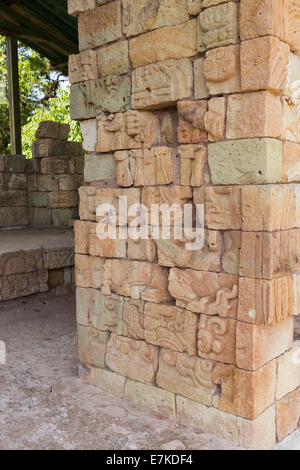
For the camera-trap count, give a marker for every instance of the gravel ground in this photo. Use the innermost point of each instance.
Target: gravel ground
(43, 405)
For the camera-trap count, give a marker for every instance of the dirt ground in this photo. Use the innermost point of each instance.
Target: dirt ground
(43, 405)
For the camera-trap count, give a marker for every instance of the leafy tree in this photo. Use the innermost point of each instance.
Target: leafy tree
(44, 95)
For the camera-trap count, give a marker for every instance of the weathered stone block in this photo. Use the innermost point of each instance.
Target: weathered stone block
(13, 216)
(264, 64)
(131, 130)
(99, 167)
(187, 376)
(231, 255)
(43, 148)
(68, 183)
(100, 26)
(79, 6)
(220, 78)
(130, 358)
(63, 218)
(92, 346)
(106, 95)
(15, 164)
(192, 159)
(288, 371)
(246, 161)
(141, 250)
(55, 166)
(40, 217)
(200, 87)
(288, 414)
(170, 327)
(38, 199)
(214, 119)
(133, 319)
(258, 345)
(15, 181)
(52, 130)
(105, 379)
(89, 134)
(291, 121)
(162, 84)
(204, 292)
(216, 338)
(62, 199)
(291, 162)
(191, 127)
(175, 42)
(157, 400)
(82, 242)
(83, 67)
(89, 271)
(222, 207)
(257, 114)
(113, 60)
(13, 198)
(108, 248)
(140, 16)
(217, 26)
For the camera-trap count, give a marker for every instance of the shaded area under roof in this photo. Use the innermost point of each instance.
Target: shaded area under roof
(44, 25)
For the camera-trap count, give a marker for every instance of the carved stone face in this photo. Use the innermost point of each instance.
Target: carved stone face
(220, 66)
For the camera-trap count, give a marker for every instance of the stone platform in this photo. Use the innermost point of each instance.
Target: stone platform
(34, 261)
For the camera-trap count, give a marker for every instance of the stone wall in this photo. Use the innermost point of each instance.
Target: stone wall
(180, 101)
(55, 174)
(13, 192)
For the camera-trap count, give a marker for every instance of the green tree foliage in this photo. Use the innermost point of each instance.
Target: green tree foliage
(44, 96)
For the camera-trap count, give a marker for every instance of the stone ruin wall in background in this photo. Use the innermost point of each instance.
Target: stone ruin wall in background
(181, 101)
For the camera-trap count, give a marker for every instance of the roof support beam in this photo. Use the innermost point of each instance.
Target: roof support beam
(14, 95)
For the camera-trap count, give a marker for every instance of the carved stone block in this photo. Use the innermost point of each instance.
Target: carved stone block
(92, 346)
(144, 167)
(264, 64)
(162, 84)
(231, 256)
(130, 358)
(188, 376)
(222, 70)
(191, 128)
(133, 319)
(131, 130)
(88, 271)
(83, 67)
(106, 95)
(170, 327)
(214, 119)
(217, 26)
(205, 292)
(222, 207)
(141, 250)
(216, 338)
(192, 164)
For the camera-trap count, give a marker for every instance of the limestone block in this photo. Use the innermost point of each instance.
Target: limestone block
(89, 134)
(214, 119)
(287, 414)
(79, 6)
(245, 161)
(157, 400)
(130, 358)
(43, 148)
(221, 70)
(217, 26)
(12, 263)
(266, 302)
(139, 280)
(133, 319)
(222, 207)
(68, 183)
(293, 33)
(40, 217)
(170, 327)
(178, 195)
(205, 292)
(291, 121)
(58, 258)
(175, 42)
(200, 87)
(269, 255)
(231, 255)
(62, 199)
(260, 434)
(191, 128)
(114, 59)
(53, 130)
(254, 391)
(106, 95)
(99, 167)
(188, 376)
(263, 18)
(13, 198)
(258, 345)
(131, 130)
(140, 16)
(99, 26)
(15, 181)
(108, 248)
(288, 371)
(104, 379)
(291, 162)
(144, 167)
(114, 198)
(141, 250)
(83, 67)
(257, 114)
(162, 84)
(89, 271)
(216, 338)
(22, 285)
(174, 253)
(92, 346)
(15, 164)
(54, 166)
(195, 6)
(192, 164)
(269, 208)
(210, 420)
(264, 64)
(13, 216)
(82, 242)
(63, 218)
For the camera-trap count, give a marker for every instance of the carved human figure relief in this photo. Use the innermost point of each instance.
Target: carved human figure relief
(217, 26)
